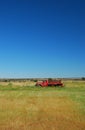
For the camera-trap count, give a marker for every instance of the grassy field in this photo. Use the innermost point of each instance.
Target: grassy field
(25, 107)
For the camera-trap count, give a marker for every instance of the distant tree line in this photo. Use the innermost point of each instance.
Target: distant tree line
(83, 78)
(37, 79)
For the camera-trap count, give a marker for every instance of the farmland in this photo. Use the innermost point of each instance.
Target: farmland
(26, 107)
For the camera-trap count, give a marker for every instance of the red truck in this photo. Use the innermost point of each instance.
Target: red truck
(47, 83)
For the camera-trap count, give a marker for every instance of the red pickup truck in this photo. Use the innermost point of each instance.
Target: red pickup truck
(47, 83)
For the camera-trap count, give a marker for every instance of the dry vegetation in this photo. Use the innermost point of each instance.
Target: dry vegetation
(18, 83)
(30, 108)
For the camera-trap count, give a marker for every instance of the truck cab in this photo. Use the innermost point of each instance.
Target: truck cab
(43, 83)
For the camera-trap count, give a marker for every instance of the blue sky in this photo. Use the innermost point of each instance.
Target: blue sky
(42, 38)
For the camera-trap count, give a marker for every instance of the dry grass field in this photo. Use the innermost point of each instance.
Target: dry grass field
(26, 107)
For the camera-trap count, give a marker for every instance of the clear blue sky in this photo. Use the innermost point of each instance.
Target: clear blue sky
(42, 38)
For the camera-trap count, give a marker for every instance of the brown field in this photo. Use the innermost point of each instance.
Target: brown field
(33, 108)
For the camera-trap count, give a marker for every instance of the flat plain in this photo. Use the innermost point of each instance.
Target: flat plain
(26, 107)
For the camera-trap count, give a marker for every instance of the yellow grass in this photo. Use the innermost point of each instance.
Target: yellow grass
(17, 83)
(43, 109)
